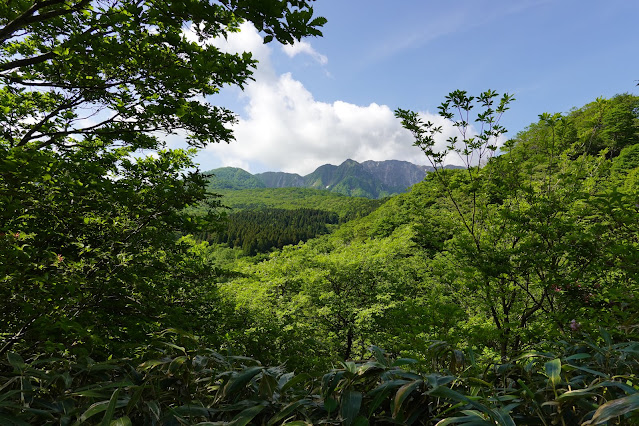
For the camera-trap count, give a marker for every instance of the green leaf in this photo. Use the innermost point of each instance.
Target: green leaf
(471, 418)
(553, 371)
(403, 361)
(98, 407)
(403, 393)
(239, 381)
(16, 360)
(245, 416)
(137, 395)
(154, 408)
(330, 404)
(122, 421)
(286, 411)
(294, 381)
(351, 402)
(578, 393)
(445, 392)
(577, 356)
(110, 410)
(379, 355)
(268, 385)
(177, 363)
(615, 408)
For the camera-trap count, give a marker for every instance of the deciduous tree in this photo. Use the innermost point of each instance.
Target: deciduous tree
(90, 248)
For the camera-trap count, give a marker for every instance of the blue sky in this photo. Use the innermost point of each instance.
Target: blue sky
(328, 99)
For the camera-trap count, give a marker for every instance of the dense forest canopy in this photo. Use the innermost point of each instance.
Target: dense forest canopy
(89, 228)
(500, 293)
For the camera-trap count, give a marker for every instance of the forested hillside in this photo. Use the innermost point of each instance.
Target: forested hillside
(546, 232)
(260, 231)
(501, 293)
(261, 219)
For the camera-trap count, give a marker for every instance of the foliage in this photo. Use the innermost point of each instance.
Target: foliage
(89, 260)
(262, 230)
(96, 256)
(572, 382)
(348, 208)
(128, 65)
(232, 178)
(90, 249)
(533, 243)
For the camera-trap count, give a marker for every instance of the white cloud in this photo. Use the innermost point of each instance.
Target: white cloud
(303, 47)
(283, 128)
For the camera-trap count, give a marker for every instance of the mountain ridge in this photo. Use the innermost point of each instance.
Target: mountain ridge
(371, 179)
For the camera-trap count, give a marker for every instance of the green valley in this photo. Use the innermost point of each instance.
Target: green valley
(136, 290)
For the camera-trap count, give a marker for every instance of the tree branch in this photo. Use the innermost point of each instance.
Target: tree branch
(67, 105)
(27, 61)
(29, 17)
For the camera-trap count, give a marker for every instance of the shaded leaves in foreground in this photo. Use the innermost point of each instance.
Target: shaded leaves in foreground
(576, 382)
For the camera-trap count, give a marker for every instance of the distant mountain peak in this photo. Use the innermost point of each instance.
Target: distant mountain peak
(371, 179)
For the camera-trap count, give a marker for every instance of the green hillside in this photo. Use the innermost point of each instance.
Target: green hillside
(537, 247)
(232, 178)
(297, 198)
(501, 293)
(370, 179)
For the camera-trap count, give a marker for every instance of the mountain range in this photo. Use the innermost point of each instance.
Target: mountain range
(371, 179)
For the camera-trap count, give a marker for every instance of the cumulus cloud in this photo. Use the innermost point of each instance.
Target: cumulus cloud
(303, 47)
(283, 128)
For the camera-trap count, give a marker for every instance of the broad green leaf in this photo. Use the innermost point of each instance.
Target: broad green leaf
(591, 371)
(553, 371)
(16, 360)
(377, 401)
(268, 385)
(578, 393)
(192, 410)
(98, 407)
(286, 411)
(294, 381)
(176, 347)
(330, 404)
(245, 416)
(403, 361)
(608, 384)
(5, 395)
(330, 381)
(403, 393)
(615, 408)
(445, 392)
(240, 380)
(361, 421)
(110, 410)
(154, 408)
(577, 356)
(137, 395)
(350, 403)
(177, 363)
(379, 355)
(470, 419)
